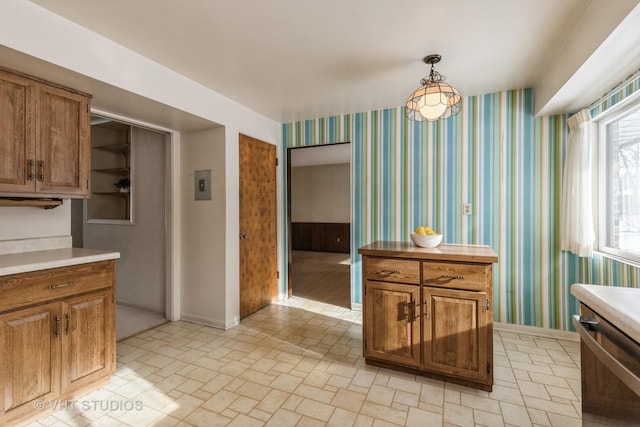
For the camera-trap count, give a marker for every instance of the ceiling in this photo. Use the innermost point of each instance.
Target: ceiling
(299, 59)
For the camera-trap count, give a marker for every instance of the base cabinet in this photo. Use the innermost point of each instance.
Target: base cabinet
(456, 339)
(30, 363)
(55, 350)
(429, 311)
(392, 334)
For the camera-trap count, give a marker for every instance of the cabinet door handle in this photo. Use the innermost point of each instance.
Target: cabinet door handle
(31, 173)
(41, 170)
(406, 308)
(68, 328)
(426, 309)
(61, 285)
(57, 326)
(416, 310)
(450, 277)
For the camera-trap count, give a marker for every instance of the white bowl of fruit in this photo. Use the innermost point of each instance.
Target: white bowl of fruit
(425, 237)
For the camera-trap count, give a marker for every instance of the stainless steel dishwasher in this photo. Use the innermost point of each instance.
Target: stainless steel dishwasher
(610, 370)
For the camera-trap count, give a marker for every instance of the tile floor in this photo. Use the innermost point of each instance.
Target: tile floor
(299, 363)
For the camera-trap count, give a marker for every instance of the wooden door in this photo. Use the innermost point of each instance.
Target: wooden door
(17, 136)
(30, 360)
(87, 339)
(258, 236)
(62, 135)
(455, 336)
(392, 322)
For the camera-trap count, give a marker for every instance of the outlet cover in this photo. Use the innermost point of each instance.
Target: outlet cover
(466, 209)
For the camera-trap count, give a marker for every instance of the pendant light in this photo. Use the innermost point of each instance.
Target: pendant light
(435, 99)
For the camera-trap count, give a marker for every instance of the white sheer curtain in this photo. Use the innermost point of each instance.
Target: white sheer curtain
(576, 215)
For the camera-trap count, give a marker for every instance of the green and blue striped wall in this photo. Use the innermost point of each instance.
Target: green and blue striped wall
(495, 155)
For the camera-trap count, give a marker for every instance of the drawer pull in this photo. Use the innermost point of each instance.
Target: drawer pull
(450, 277)
(61, 285)
(388, 272)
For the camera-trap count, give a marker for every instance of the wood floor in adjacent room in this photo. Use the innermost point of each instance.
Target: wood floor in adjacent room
(322, 276)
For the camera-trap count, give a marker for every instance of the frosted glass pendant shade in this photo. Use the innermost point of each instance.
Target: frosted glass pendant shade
(435, 99)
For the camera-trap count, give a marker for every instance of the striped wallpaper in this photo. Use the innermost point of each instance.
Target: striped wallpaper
(495, 155)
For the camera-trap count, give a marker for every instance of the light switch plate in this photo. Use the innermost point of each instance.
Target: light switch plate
(203, 185)
(466, 209)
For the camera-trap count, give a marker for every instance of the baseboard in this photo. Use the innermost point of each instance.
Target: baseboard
(535, 330)
(355, 306)
(205, 321)
(140, 307)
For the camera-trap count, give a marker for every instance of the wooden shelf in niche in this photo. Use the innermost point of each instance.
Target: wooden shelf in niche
(115, 171)
(110, 163)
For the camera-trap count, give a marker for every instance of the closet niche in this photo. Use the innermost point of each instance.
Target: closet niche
(111, 189)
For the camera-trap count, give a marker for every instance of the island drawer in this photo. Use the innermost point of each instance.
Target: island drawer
(23, 289)
(456, 276)
(392, 270)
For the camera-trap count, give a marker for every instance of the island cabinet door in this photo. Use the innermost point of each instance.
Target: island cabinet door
(392, 327)
(29, 360)
(87, 352)
(455, 341)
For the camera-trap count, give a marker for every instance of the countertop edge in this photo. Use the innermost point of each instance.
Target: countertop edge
(445, 252)
(617, 314)
(42, 260)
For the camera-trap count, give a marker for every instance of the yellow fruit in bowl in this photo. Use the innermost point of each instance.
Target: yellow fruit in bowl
(421, 230)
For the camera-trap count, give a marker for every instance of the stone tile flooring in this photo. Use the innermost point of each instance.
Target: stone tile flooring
(299, 363)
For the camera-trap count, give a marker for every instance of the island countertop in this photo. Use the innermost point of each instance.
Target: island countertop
(41, 260)
(445, 252)
(620, 306)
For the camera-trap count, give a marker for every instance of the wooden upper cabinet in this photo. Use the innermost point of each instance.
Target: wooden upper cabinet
(17, 136)
(44, 139)
(62, 142)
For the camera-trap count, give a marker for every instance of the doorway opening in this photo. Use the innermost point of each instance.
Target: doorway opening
(319, 223)
(127, 213)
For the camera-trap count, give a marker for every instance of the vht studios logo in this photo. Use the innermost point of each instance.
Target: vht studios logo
(89, 405)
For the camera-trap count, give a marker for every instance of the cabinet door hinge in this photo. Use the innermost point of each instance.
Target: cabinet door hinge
(278, 274)
(487, 304)
(488, 368)
(276, 161)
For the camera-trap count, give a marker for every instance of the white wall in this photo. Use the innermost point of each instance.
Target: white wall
(203, 231)
(33, 31)
(140, 279)
(321, 193)
(28, 222)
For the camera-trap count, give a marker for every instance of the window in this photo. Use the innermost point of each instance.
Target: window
(619, 183)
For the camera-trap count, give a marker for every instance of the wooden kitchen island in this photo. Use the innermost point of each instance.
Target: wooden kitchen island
(429, 310)
(57, 328)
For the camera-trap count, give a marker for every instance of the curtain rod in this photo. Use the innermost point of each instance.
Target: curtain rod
(615, 89)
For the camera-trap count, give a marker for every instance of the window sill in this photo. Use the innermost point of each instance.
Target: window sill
(626, 261)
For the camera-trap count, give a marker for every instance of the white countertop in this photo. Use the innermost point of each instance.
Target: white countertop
(620, 306)
(52, 258)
